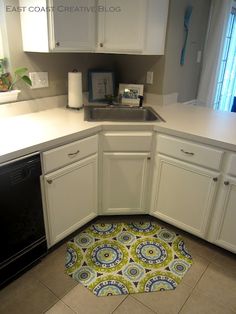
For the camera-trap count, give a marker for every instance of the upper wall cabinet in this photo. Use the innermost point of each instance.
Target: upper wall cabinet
(122, 30)
(72, 30)
(60, 28)
(104, 26)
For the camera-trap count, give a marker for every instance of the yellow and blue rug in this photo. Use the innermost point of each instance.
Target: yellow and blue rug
(123, 258)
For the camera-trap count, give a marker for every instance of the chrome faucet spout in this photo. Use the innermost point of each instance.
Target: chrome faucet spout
(140, 101)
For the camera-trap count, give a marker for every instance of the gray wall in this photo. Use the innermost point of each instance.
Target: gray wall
(169, 76)
(133, 69)
(184, 79)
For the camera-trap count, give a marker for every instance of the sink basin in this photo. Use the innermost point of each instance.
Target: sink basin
(120, 113)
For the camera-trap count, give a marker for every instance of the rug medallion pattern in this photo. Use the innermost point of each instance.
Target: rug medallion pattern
(123, 258)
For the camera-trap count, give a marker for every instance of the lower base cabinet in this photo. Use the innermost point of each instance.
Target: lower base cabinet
(186, 194)
(223, 230)
(125, 183)
(71, 197)
(183, 194)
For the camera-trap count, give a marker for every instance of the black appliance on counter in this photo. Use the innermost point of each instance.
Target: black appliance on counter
(22, 233)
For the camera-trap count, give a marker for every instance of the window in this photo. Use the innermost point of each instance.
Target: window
(3, 32)
(226, 85)
(1, 45)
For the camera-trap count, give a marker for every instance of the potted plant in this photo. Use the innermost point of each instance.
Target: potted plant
(7, 81)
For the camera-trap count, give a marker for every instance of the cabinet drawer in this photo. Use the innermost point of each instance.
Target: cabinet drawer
(232, 165)
(67, 154)
(127, 141)
(188, 151)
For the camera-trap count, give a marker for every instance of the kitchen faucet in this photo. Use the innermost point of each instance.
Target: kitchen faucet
(140, 101)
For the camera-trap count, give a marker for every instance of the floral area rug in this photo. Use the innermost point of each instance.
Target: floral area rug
(123, 258)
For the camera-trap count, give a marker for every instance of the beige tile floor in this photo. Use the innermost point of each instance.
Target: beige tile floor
(209, 287)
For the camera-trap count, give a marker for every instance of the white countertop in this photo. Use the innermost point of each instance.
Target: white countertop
(39, 131)
(200, 124)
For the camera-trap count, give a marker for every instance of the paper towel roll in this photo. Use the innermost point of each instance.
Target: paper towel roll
(75, 95)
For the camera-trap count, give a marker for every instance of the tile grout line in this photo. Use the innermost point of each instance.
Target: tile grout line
(58, 298)
(186, 300)
(143, 304)
(66, 303)
(220, 302)
(66, 295)
(119, 304)
(68, 306)
(193, 288)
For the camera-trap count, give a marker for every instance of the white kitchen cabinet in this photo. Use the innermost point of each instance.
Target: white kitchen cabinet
(73, 30)
(107, 26)
(125, 182)
(183, 194)
(223, 232)
(64, 28)
(122, 30)
(70, 197)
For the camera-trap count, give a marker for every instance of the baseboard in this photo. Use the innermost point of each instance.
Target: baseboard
(190, 102)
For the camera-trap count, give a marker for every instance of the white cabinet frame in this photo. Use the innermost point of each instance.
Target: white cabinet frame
(162, 204)
(223, 224)
(59, 197)
(113, 187)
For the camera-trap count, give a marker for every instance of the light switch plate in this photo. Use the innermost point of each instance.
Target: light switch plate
(39, 79)
(149, 78)
(199, 56)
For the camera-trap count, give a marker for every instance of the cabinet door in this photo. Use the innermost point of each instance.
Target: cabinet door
(183, 194)
(72, 25)
(156, 22)
(223, 222)
(121, 25)
(71, 197)
(124, 182)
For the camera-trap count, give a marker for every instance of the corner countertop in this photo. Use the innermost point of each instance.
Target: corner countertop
(39, 131)
(201, 124)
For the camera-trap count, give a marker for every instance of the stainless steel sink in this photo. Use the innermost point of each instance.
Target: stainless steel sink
(120, 113)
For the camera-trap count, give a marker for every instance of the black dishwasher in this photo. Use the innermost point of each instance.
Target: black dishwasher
(22, 233)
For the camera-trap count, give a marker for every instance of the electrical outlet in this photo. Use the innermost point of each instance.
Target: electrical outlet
(39, 79)
(149, 78)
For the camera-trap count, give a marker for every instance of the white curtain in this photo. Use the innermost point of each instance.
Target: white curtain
(225, 97)
(219, 14)
(1, 31)
(4, 51)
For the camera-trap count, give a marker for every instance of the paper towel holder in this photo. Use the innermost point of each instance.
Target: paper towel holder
(75, 107)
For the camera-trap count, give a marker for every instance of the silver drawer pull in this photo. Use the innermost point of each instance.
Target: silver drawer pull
(187, 153)
(73, 154)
